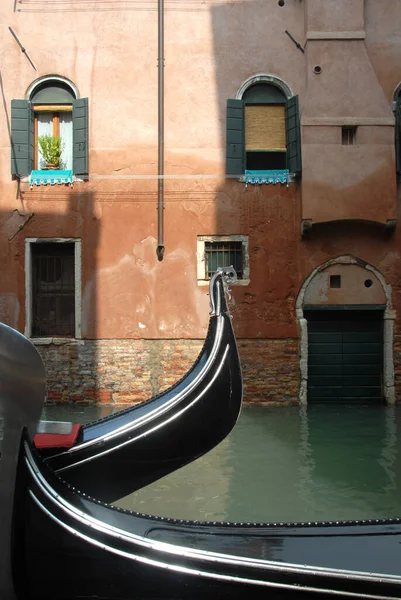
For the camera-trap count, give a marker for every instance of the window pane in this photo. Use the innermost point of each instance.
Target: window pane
(53, 92)
(66, 136)
(53, 290)
(45, 127)
(223, 254)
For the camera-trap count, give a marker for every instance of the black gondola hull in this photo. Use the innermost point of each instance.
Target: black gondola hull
(99, 551)
(135, 447)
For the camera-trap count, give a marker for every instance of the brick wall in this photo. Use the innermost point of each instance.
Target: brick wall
(270, 370)
(129, 371)
(397, 366)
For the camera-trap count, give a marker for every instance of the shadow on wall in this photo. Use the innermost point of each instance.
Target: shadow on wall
(51, 253)
(249, 38)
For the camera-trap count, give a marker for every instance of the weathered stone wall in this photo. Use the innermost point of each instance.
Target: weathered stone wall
(130, 371)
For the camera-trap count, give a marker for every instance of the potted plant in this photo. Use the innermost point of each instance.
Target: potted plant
(51, 148)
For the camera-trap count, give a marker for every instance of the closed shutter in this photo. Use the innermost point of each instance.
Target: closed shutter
(80, 126)
(265, 128)
(398, 138)
(345, 355)
(22, 138)
(293, 129)
(235, 152)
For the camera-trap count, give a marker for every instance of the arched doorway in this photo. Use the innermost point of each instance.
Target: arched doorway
(346, 325)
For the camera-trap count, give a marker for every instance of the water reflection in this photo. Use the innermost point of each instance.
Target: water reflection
(287, 464)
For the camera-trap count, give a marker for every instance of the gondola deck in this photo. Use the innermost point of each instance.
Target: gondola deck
(143, 556)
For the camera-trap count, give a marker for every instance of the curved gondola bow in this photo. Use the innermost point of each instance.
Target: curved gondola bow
(116, 455)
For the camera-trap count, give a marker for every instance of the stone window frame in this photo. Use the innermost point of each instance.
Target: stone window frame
(49, 79)
(268, 78)
(78, 288)
(201, 256)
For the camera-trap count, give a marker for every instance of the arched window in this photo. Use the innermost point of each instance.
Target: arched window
(52, 110)
(265, 141)
(263, 131)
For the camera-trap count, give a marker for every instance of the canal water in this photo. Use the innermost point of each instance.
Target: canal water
(326, 462)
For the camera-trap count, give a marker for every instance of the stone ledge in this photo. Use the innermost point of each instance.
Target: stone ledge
(336, 35)
(56, 341)
(347, 121)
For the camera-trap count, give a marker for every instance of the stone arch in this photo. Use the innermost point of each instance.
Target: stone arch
(372, 274)
(264, 78)
(48, 80)
(397, 93)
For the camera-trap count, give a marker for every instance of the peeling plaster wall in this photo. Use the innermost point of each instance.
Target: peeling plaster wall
(357, 286)
(129, 299)
(9, 309)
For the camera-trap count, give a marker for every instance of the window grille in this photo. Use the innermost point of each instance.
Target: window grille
(224, 254)
(53, 290)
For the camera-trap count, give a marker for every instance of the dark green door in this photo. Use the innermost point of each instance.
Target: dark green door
(345, 355)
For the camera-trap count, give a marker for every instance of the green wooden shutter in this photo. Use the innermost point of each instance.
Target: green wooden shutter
(293, 133)
(235, 156)
(398, 138)
(22, 142)
(80, 136)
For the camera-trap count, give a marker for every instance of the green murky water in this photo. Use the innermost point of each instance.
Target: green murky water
(284, 464)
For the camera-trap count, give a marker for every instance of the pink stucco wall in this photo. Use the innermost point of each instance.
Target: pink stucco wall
(110, 53)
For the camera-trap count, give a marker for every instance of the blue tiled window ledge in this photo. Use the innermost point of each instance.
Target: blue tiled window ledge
(265, 177)
(51, 177)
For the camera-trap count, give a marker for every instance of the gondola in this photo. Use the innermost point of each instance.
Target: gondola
(59, 543)
(68, 546)
(114, 456)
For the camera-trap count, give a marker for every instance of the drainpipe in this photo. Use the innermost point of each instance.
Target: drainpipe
(160, 114)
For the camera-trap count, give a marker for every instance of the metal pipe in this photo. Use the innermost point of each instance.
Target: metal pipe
(160, 115)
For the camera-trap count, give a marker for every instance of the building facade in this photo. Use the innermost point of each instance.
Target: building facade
(281, 156)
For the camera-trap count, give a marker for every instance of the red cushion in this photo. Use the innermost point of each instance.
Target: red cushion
(57, 440)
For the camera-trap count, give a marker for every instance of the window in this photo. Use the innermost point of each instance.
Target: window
(348, 136)
(265, 144)
(223, 251)
(335, 281)
(263, 132)
(53, 288)
(56, 121)
(223, 254)
(52, 108)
